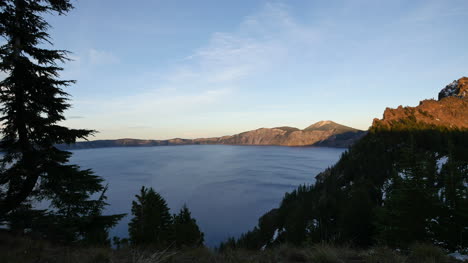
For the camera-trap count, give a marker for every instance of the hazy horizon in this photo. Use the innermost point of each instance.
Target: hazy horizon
(161, 69)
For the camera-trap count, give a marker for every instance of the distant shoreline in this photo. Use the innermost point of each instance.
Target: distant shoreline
(320, 134)
(176, 145)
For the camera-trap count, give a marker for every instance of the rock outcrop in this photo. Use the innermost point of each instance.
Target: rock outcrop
(449, 112)
(458, 88)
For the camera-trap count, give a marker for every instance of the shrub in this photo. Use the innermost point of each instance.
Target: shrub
(383, 255)
(427, 253)
(325, 254)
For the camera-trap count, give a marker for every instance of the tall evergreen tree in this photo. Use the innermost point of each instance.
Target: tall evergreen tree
(411, 204)
(32, 103)
(186, 231)
(152, 222)
(453, 194)
(357, 215)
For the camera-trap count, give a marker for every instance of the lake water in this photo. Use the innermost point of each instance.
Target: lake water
(227, 188)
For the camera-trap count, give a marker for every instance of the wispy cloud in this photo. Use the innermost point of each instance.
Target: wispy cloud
(101, 57)
(270, 67)
(84, 62)
(208, 85)
(212, 74)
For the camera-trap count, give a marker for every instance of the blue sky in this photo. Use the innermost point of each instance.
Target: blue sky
(162, 69)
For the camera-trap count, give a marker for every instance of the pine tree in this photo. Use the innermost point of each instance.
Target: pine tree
(186, 231)
(32, 103)
(453, 194)
(152, 222)
(411, 201)
(357, 215)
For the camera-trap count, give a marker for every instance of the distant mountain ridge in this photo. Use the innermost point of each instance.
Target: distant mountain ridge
(323, 133)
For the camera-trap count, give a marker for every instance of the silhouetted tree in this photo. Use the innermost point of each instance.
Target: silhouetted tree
(453, 194)
(186, 231)
(120, 242)
(32, 103)
(356, 219)
(411, 200)
(152, 222)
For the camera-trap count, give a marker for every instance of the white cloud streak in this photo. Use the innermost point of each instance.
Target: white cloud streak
(101, 57)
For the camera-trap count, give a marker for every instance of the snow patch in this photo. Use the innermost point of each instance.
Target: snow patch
(458, 256)
(402, 175)
(275, 235)
(440, 162)
(441, 193)
(450, 89)
(385, 186)
(273, 239)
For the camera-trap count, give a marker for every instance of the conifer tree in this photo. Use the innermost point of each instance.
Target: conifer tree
(32, 103)
(453, 194)
(152, 222)
(411, 203)
(357, 215)
(186, 231)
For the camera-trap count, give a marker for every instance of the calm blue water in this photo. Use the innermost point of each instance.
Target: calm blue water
(227, 188)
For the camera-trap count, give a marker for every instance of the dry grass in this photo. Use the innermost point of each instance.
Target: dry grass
(383, 255)
(427, 253)
(18, 249)
(326, 254)
(25, 250)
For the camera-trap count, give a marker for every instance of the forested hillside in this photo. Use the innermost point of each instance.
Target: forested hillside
(406, 181)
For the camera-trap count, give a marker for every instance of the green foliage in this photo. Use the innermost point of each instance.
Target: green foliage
(152, 222)
(389, 188)
(26, 250)
(357, 215)
(412, 203)
(32, 104)
(325, 254)
(153, 226)
(427, 253)
(453, 181)
(384, 255)
(120, 243)
(186, 231)
(230, 243)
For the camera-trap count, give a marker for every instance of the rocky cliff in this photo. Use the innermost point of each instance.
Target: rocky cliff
(458, 88)
(450, 111)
